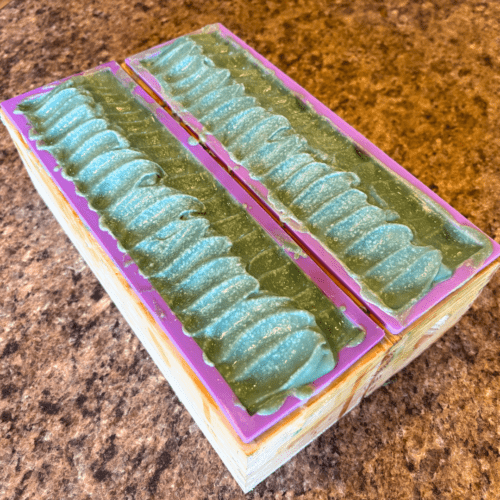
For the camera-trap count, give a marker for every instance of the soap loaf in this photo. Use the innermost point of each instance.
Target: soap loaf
(258, 318)
(395, 243)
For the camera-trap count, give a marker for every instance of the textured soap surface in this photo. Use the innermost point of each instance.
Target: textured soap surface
(393, 240)
(266, 327)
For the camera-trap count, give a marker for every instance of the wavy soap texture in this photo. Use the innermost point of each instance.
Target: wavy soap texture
(264, 325)
(346, 200)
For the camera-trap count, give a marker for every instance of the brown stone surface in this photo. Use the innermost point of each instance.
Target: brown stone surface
(85, 413)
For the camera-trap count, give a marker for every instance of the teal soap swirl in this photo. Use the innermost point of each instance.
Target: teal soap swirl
(263, 324)
(393, 242)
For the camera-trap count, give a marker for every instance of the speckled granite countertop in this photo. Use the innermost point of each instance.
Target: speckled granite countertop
(85, 413)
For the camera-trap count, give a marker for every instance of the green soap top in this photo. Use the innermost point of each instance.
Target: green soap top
(395, 241)
(259, 319)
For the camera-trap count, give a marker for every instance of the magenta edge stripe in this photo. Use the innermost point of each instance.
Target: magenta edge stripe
(247, 427)
(393, 323)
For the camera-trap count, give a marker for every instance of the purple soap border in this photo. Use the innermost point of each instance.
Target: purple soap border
(247, 427)
(392, 322)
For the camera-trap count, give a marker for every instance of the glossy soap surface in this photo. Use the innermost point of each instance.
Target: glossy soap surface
(395, 242)
(265, 326)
